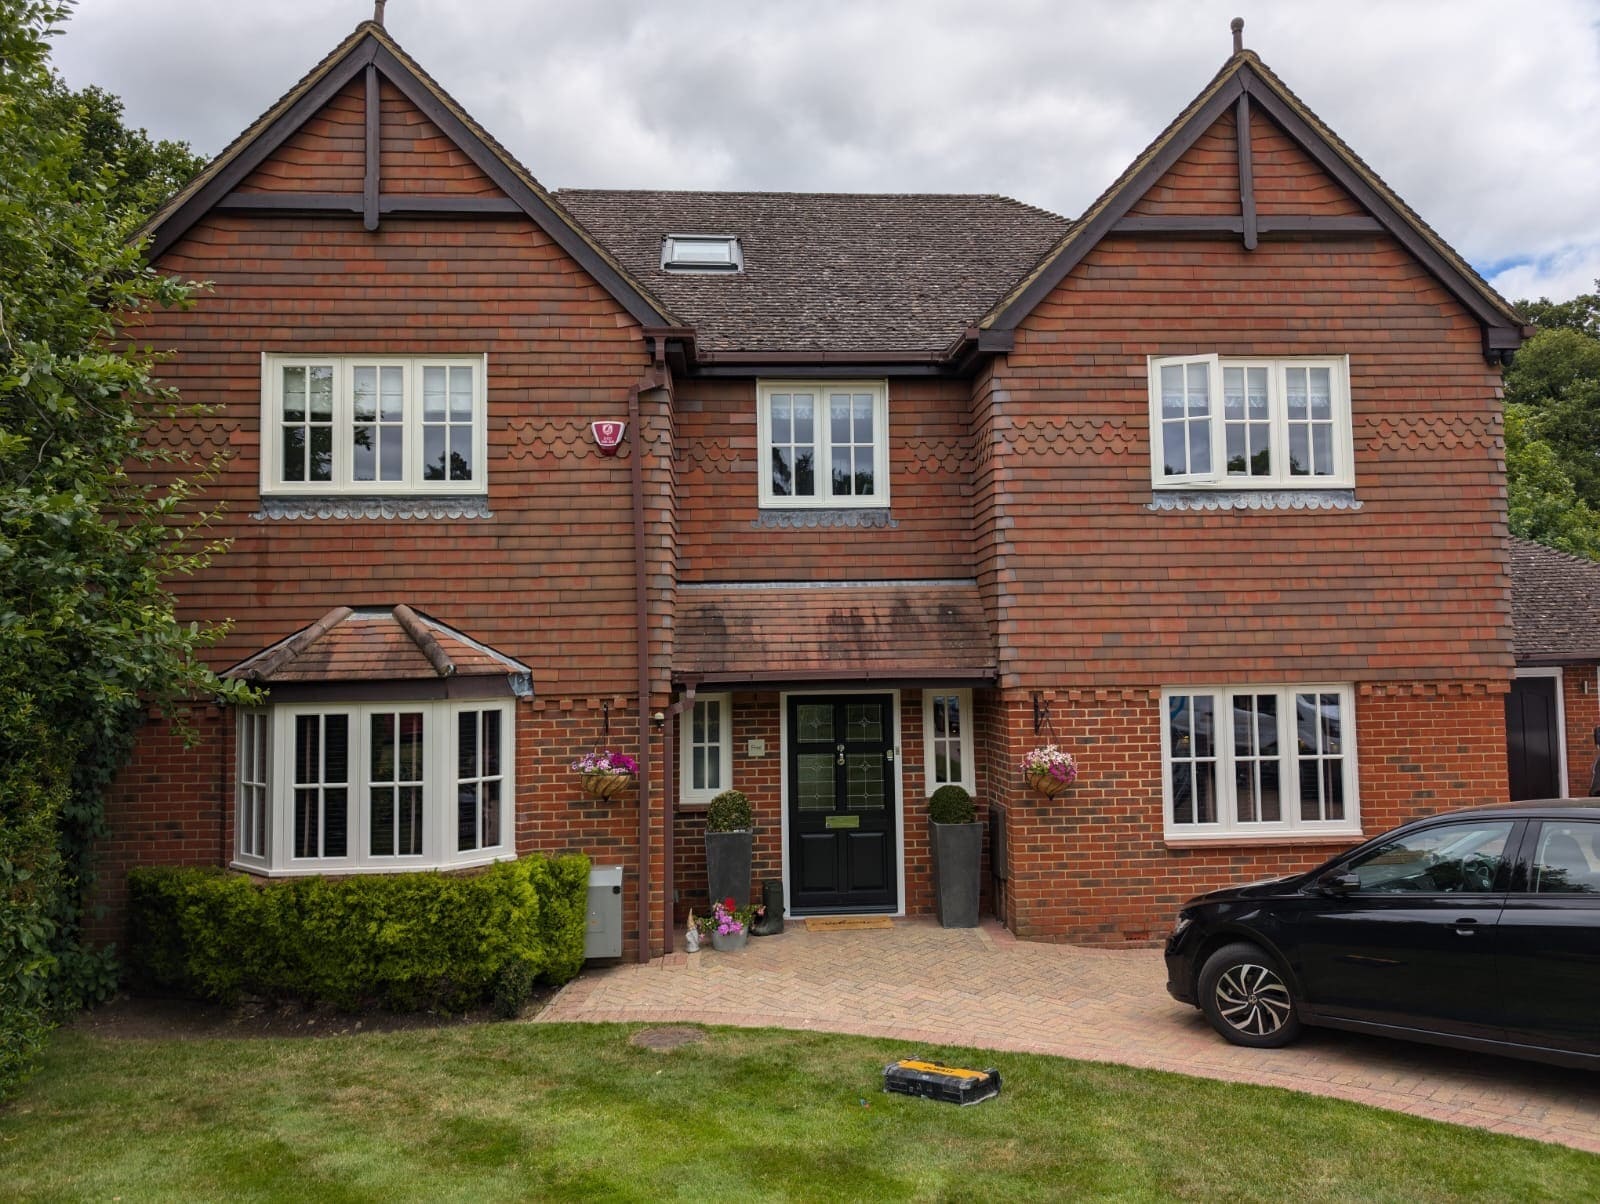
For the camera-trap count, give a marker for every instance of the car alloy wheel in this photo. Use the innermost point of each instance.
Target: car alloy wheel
(1253, 999)
(1247, 998)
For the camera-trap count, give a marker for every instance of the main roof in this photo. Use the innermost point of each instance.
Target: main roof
(826, 271)
(1555, 606)
(858, 279)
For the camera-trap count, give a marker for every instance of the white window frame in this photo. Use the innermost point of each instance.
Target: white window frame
(1228, 827)
(687, 792)
(440, 785)
(824, 499)
(673, 261)
(1343, 475)
(343, 480)
(967, 780)
(253, 788)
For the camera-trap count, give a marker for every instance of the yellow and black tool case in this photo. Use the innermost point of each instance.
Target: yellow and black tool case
(952, 1084)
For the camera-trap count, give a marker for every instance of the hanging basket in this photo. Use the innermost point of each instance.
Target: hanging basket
(606, 786)
(1047, 784)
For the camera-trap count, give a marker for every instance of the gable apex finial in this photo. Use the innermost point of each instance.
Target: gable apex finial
(377, 12)
(1237, 25)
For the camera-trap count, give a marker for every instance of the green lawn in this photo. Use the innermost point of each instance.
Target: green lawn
(516, 1111)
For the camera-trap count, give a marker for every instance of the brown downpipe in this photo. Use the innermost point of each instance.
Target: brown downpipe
(669, 805)
(654, 379)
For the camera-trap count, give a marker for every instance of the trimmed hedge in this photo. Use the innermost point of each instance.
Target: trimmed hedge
(399, 941)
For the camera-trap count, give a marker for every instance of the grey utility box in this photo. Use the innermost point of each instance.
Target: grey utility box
(603, 936)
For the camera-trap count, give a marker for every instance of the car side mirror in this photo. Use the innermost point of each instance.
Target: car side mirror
(1337, 883)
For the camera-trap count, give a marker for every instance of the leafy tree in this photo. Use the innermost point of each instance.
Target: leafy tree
(1552, 391)
(140, 171)
(1582, 313)
(1543, 502)
(88, 634)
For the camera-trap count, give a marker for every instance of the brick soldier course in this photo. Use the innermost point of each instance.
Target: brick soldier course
(367, 215)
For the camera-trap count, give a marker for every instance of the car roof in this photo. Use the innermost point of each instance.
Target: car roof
(1583, 808)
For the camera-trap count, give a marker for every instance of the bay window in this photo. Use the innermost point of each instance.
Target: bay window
(373, 786)
(1259, 761)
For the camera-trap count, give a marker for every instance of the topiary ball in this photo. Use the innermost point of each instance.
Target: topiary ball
(729, 812)
(951, 805)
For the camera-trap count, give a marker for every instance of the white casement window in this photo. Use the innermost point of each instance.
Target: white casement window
(252, 814)
(1259, 761)
(1240, 423)
(382, 786)
(373, 424)
(824, 444)
(706, 746)
(947, 739)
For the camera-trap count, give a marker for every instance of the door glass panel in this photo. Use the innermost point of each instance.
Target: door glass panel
(864, 721)
(1567, 859)
(813, 723)
(1452, 859)
(864, 781)
(813, 788)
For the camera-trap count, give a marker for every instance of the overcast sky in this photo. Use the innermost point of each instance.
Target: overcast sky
(1484, 116)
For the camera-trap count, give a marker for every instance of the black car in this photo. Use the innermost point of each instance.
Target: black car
(1476, 929)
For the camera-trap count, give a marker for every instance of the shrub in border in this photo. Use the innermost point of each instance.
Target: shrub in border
(399, 941)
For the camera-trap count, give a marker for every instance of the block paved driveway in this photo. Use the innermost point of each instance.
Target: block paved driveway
(981, 987)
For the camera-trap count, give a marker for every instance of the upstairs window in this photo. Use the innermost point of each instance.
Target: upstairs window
(824, 444)
(701, 253)
(1240, 423)
(373, 424)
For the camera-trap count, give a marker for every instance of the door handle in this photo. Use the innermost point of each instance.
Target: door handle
(840, 749)
(1466, 925)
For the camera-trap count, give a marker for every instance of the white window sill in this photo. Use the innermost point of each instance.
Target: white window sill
(1323, 836)
(351, 871)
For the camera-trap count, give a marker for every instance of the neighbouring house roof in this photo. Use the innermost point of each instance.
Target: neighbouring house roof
(371, 46)
(1555, 606)
(1245, 78)
(800, 631)
(391, 644)
(845, 272)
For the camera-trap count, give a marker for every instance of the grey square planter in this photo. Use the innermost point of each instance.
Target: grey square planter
(728, 865)
(957, 852)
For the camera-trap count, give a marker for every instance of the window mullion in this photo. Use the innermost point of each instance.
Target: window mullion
(1227, 785)
(1219, 431)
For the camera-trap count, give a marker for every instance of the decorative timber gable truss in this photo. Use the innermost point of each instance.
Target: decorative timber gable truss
(1247, 86)
(369, 54)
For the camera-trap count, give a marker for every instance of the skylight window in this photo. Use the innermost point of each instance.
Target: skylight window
(701, 253)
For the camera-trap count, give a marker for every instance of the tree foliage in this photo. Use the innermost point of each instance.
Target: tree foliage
(1552, 391)
(88, 633)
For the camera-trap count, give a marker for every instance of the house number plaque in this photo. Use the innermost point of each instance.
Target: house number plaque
(843, 821)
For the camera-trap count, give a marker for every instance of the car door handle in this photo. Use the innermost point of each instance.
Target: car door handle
(1466, 925)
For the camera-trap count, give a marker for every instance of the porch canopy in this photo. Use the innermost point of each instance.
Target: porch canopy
(774, 633)
(378, 652)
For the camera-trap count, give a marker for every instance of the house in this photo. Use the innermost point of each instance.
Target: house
(1553, 706)
(1205, 485)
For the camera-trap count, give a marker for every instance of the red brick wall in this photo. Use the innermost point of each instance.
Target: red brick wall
(1580, 703)
(1092, 866)
(1089, 586)
(930, 475)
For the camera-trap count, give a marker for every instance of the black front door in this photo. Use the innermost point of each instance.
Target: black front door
(1532, 747)
(841, 803)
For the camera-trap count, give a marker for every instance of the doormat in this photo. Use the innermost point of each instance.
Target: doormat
(847, 923)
